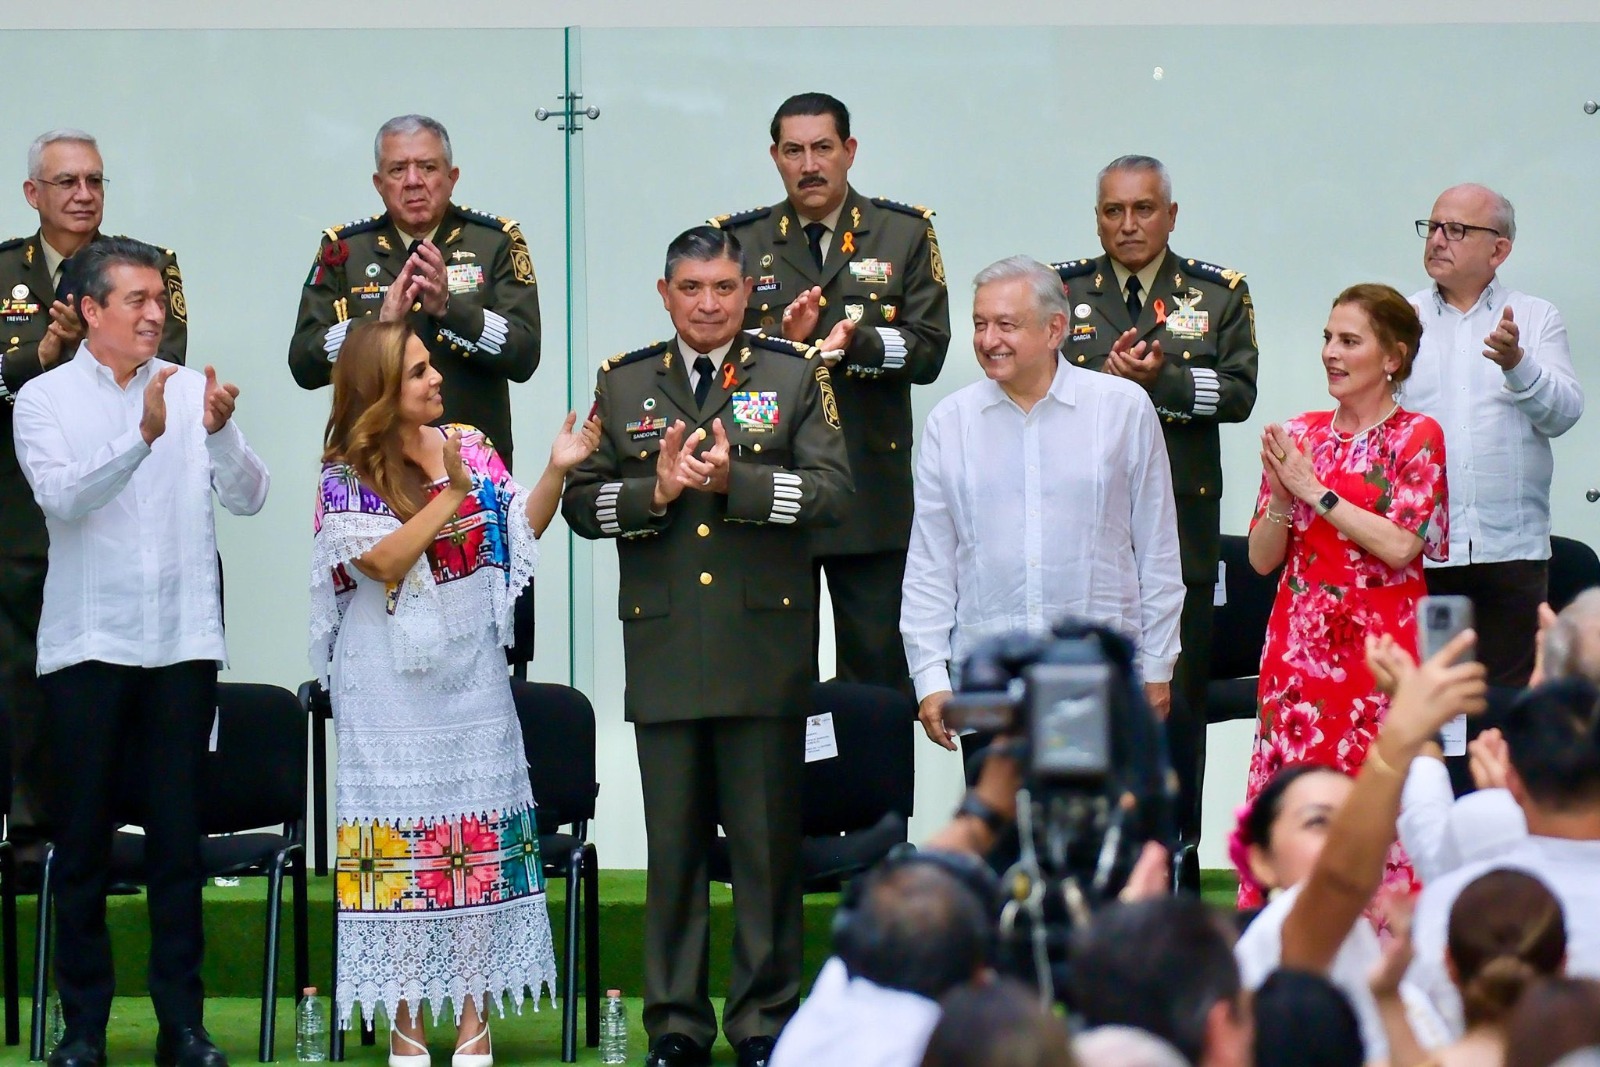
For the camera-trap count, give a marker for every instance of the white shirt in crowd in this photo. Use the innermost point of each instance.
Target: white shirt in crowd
(1024, 518)
(1441, 833)
(854, 1021)
(1259, 951)
(1497, 424)
(132, 575)
(1572, 871)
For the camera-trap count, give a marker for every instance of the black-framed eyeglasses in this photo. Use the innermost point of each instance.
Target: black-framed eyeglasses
(94, 183)
(1453, 231)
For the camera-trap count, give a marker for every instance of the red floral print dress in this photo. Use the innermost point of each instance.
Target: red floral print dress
(1316, 698)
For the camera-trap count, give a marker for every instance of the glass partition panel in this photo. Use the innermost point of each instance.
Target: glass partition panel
(1299, 155)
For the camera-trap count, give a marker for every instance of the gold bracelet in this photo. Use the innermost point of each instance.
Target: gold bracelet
(1279, 517)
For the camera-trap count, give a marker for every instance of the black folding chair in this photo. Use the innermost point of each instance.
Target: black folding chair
(855, 806)
(256, 778)
(558, 735)
(1239, 632)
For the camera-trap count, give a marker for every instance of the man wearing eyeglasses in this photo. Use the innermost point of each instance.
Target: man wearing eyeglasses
(1495, 372)
(40, 329)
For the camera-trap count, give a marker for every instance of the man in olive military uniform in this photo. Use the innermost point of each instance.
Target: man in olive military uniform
(720, 449)
(40, 329)
(462, 280)
(863, 279)
(1185, 330)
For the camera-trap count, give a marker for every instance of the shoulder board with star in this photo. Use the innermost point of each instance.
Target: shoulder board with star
(124, 237)
(1073, 268)
(728, 222)
(15, 242)
(1213, 273)
(780, 344)
(483, 218)
(622, 359)
(905, 209)
(350, 229)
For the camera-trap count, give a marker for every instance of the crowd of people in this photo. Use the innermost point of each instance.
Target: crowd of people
(767, 447)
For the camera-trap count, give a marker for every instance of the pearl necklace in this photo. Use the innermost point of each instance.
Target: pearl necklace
(1348, 438)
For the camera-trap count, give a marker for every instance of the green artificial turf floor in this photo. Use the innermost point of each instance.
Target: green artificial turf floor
(235, 934)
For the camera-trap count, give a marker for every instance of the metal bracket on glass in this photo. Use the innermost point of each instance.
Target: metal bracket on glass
(1590, 107)
(569, 113)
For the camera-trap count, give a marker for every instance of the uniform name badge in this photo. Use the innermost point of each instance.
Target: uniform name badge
(463, 277)
(1186, 323)
(646, 428)
(871, 271)
(755, 409)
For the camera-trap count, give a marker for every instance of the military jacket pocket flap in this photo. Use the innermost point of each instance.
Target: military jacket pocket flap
(768, 594)
(644, 600)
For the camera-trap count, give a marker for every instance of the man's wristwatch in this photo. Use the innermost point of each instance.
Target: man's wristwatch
(973, 805)
(1325, 502)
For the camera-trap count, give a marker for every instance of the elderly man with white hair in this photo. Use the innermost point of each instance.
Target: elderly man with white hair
(1042, 491)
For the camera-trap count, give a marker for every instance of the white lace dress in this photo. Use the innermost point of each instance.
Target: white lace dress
(440, 889)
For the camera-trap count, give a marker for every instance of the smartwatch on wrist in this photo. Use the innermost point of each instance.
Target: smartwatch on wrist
(1325, 502)
(973, 805)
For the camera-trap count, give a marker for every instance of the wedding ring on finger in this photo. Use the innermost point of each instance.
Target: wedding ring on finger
(707, 481)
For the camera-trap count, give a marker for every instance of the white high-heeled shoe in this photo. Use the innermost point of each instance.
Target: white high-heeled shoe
(475, 1059)
(420, 1058)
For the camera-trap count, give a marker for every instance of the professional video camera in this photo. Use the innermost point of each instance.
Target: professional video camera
(1097, 784)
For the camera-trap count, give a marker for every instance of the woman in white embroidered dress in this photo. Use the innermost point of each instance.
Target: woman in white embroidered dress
(422, 543)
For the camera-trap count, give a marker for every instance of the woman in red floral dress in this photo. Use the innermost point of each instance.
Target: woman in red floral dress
(1350, 499)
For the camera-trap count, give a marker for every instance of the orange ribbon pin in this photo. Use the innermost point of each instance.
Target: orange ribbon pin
(847, 243)
(1161, 311)
(727, 375)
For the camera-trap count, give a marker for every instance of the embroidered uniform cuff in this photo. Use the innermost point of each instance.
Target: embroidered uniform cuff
(605, 508)
(5, 392)
(335, 339)
(894, 348)
(785, 497)
(1207, 390)
(495, 331)
(1524, 376)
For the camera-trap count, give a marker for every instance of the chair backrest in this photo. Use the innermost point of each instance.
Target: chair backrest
(874, 772)
(257, 775)
(1574, 567)
(558, 738)
(1239, 627)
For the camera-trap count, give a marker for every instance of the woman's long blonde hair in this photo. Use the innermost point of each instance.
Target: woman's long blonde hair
(364, 425)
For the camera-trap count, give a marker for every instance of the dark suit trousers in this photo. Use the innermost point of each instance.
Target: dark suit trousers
(865, 590)
(1186, 725)
(128, 736)
(745, 773)
(21, 598)
(1505, 606)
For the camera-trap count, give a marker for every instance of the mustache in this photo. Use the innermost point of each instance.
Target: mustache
(806, 183)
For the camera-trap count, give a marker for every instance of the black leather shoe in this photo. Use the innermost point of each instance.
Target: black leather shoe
(755, 1051)
(187, 1046)
(79, 1052)
(676, 1050)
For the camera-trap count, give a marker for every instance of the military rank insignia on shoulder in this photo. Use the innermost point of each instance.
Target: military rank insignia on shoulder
(15, 242)
(780, 344)
(727, 222)
(1213, 273)
(483, 218)
(350, 229)
(1073, 268)
(916, 210)
(622, 359)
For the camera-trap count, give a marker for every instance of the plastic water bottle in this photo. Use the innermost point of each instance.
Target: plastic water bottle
(310, 1028)
(614, 1029)
(57, 1025)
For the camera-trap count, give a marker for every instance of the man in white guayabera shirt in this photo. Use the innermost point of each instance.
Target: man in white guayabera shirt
(1041, 492)
(1494, 371)
(124, 452)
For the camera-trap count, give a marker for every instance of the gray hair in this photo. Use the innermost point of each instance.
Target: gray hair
(44, 140)
(1132, 162)
(1572, 645)
(93, 264)
(1048, 296)
(1124, 1046)
(1505, 216)
(407, 124)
